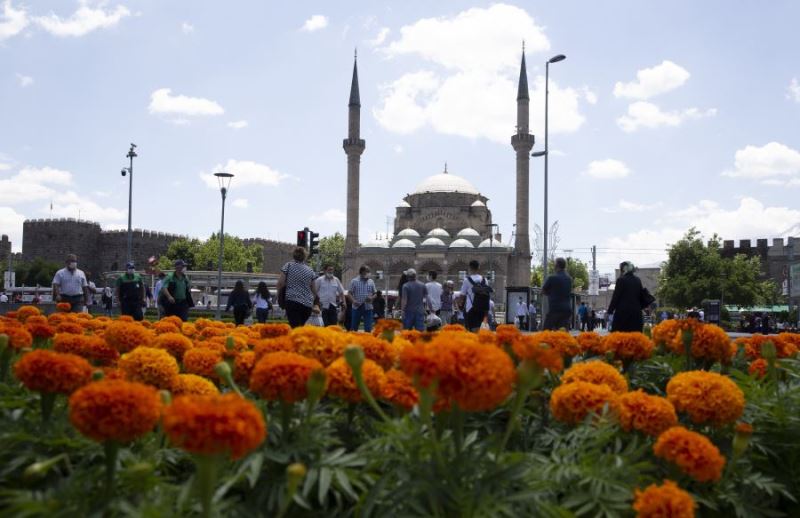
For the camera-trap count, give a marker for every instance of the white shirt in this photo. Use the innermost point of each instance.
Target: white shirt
(3, 298)
(260, 302)
(69, 282)
(329, 291)
(435, 294)
(466, 288)
(522, 309)
(532, 309)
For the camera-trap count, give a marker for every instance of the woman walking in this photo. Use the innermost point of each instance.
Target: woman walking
(628, 300)
(239, 299)
(263, 302)
(296, 288)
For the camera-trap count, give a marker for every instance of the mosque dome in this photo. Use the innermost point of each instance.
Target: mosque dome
(404, 204)
(404, 243)
(494, 244)
(445, 182)
(461, 243)
(376, 244)
(468, 232)
(478, 203)
(408, 232)
(432, 241)
(438, 232)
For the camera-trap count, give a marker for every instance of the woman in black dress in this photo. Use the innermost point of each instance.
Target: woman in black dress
(626, 302)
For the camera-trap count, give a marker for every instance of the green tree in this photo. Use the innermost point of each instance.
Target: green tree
(183, 248)
(37, 272)
(576, 269)
(200, 254)
(696, 271)
(331, 250)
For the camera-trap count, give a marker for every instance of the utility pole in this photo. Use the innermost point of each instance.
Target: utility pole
(594, 257)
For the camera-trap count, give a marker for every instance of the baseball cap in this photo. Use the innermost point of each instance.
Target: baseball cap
(180, 262)
(411, 272)
(130, 264)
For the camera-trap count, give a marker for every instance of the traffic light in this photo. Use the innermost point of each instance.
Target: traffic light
(302, 238)
(313, 244)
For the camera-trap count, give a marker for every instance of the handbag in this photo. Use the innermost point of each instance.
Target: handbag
(646, 298)
(282, 291)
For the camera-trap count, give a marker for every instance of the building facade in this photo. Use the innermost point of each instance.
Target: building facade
(445, 222)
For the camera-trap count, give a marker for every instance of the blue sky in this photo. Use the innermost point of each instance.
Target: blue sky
(663, 116)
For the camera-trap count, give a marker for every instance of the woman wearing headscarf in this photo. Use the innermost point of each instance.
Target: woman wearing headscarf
(628, 300)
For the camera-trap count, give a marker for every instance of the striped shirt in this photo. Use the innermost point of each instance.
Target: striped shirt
(360, 289)
(298, 282)
(70, 283)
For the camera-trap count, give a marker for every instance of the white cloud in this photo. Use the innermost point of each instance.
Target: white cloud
(164, 103)
(13, 21)
(330, 216)
(245, 173)
(643, 114)
(588, 95)
(630, 206)
(73, 205)
(608, 169)
(238, 124)
(32, 184)
(793, 92)
(653, 81)
(768, 161)
(11, 223)
(44, 175)
(398, 149)
(315, 23)
(380, 37)
(400, 111)
(187, 28)
(84, 20)
(24, 81)
(241, 203)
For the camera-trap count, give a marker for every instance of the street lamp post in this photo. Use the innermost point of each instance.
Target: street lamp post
(492, 226)
(224, 181)
(129, 171)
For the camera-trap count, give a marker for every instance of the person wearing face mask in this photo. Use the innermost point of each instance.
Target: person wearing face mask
(70, 285)
(362, 292)
(130, 292)
(176, 292)
(331, 294)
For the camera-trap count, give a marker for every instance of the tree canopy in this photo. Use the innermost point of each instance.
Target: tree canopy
(203, 255)
(331, 250)
(37, 272)
(576, 269)
(696, 271)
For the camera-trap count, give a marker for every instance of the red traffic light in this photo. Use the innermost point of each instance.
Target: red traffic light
(302, 239)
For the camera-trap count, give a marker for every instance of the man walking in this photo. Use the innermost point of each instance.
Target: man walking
(522, 313)
(331, 293)
(558, 288)
(413, 301)
(446, 308)
(157, 291)
(583, 315)
(533, 325)
(476, 295)
(70, 286)
(130, 293)
(176, 290)
(434, 292)
(362, 291)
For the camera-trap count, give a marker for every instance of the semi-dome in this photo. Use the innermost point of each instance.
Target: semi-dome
(494, 244)
(404, 204)
(478, 203)
(408, 232)
(461, 243)
(432, 241)
(440, 232)
(376, 244)
(468, 232)
(445, 182)
(404, 243)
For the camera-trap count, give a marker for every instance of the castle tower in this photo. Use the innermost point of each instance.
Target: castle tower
(522, 143)
(353, 146)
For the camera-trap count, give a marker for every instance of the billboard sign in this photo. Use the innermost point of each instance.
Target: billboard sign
(794, 275)
(594, 283)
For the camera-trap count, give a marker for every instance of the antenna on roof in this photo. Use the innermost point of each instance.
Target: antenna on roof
(445, 168)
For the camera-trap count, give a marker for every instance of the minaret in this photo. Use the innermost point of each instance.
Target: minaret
(353, 146)
(522, 143)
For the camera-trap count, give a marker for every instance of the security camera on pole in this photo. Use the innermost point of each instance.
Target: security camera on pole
(129, 172)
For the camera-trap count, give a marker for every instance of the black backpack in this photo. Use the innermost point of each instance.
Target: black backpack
(481, 294)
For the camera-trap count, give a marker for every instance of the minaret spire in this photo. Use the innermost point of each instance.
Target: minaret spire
(355, 98)
(522, 90)
(522, 143)
(353, 147)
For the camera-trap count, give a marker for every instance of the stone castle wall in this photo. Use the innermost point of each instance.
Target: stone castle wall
(774, 257)
(5, 250)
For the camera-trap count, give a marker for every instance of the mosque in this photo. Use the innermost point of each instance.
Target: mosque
(445, 222)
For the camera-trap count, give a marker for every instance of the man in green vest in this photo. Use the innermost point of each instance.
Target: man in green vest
(130, 292)
(176, 292)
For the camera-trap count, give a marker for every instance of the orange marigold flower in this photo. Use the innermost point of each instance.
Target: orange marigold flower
(243, 366)
(783, 348)
(111, 373)
(645, 413)
(592, 343)
(341, 383)
(319, 343)
(151, 366)
(114, 410)
(666, 331)
(52, 373)
(454, 327)
(507, 334)
(273, 330)
(420, 362)
(127, 336)
(629, 346)
(707, 397)
(201, 362)
(547, 357)
(18, 337)
(744, 428)
(40, 330)
(758, 368)
(380, 351)
(174, 343)
(70, 327)
(162, 327)
(211, 331)
(283, 376)
(561, 341)
(27, 311)
(185, 384)
(399, 390)
(664, 501)
(596, 372)
(239, 344)
(91, 347)
(386, 325)
(64, 307)
(709, 342)
(692, 452)
(571, 403)
(188, 329)
(224, 424)
(412, 335)
(271, 345)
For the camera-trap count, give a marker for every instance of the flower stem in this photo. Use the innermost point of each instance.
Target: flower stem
(287, 409)
(48, 401)
(206, 482)
(5, 357)
(111, 450)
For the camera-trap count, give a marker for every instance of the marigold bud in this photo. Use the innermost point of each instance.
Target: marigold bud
(354, 355)
(316, 384)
